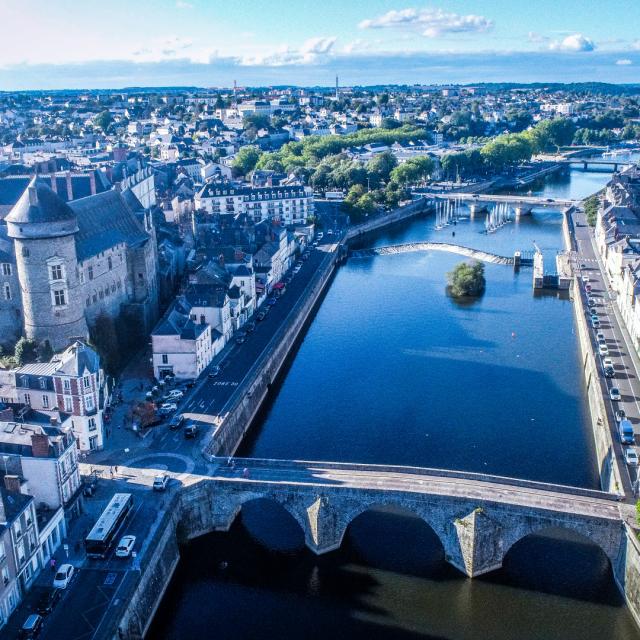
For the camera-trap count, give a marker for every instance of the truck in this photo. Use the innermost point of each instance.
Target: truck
(625, 430)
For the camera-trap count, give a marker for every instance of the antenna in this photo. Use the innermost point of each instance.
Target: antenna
(337, 89)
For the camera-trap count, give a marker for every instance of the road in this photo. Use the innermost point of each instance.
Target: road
(618, 343)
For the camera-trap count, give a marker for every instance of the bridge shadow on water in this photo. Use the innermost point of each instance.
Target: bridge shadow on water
(388, 580)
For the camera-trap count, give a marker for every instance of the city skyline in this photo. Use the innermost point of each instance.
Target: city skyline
(180, 42)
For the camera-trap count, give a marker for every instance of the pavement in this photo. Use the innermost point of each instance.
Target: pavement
(624, 356)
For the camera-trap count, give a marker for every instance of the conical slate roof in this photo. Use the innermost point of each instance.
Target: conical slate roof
(40, 204)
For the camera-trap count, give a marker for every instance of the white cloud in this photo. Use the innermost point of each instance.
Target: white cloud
(432, 23)
(312, 51)
(636, 45)
(624, 61)
(574, 42)
(181, 4)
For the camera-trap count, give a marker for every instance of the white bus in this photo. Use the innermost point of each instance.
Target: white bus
(105, 530)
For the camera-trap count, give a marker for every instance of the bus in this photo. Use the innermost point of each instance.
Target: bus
(105, 530)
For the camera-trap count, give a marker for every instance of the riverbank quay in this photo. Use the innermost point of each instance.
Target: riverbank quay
(613, 477)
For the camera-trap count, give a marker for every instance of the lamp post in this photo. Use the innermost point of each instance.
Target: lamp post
(5, 459)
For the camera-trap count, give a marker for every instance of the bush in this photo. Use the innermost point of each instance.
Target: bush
(467, 280)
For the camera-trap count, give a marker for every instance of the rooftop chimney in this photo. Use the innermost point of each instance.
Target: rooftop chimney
(12, 483)
(54, 183)
(40, 445)
(33, 195)
(69, 187)
(92, 182)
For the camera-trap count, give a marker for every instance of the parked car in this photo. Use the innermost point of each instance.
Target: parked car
(609, 372)
(31, 627)
(160, 482)
(272, 301)
(595, 322)
(261, 316)
(176, 422)
(614, 393)
(214, 371)
(48, 600)
(631, 456)
(167, 408)
(63, 576)
(191, 431)
(591, 302)
(600, 336)
(620, 415)
(125, 546)
(189, 384)
(249, 327)
(174, 395)
(241, 337)
(603, 349)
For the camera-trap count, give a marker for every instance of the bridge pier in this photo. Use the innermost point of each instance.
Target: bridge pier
(522, 210)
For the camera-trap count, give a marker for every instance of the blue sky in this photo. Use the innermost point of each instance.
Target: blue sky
(93, 43)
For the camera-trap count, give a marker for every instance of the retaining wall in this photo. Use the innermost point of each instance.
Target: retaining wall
(608, 466)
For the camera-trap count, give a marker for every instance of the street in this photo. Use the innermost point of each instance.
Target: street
(624, 358)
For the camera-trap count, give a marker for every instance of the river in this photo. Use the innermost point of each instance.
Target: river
(393, 370)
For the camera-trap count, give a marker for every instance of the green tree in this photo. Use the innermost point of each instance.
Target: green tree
(26, 351)
(412, 170)
(380, 167)
(246, 160)
(467, 280)
(103, 120)
(255, 121)
(591, 205)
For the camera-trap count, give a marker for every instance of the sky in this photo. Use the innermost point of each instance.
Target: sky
(54, 44)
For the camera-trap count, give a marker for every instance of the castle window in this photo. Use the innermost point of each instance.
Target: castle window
(7, 291)
(110, 263)
(101, 294)
(95, 298)
(25, 252)
(59, 299)
(90, 273)
(88, 301)
(56, 272)
(6, 269)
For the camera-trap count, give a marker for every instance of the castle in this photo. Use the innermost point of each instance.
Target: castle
(62, 264)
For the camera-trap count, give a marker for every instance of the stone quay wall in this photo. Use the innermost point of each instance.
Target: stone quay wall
(608, 464)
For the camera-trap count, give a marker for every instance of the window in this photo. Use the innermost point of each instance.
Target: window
(45, 402)
(43, 383)
(165, 358)
(59, 298)
(93, 442)
(56, 272)
(92, 424)
(7, 291)
(25, 252)
(6, 269)
(90, 270)
(27, 399)
(66, 385)
(86, 382)
(68, 404)
(88, 403)
(95, 297)
(110, 263)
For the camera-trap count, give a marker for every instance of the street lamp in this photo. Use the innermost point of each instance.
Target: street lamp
(5, 458)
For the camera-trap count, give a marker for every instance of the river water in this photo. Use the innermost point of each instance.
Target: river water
(392, 370)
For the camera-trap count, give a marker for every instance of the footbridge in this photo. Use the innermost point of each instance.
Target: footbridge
(477, 517)
(468, 252)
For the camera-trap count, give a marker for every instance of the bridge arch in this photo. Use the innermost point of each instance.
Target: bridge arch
(600, 537)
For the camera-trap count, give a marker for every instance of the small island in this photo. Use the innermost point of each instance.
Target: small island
(466, 280)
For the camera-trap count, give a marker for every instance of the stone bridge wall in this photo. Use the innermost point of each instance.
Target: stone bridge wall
(379, 222)
(475, 534)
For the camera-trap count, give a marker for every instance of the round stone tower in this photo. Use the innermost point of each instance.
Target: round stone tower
(43, 228)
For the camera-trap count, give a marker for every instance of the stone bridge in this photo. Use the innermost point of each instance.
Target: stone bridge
(483, 256)
(514, 200)
(477, 517)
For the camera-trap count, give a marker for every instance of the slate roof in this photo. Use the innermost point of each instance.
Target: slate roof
(47, 208)
(177, 322)
(105, 220)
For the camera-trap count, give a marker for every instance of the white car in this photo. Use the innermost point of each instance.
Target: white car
(600, 336)
(614, 393)
(160, 482)
(63, 576)
(175, 394)
(125, 546)
(607, 362)
(603, 349)
(631, 456)
(167, 408)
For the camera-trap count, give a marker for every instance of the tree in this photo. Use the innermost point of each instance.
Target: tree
(105, 338)
(591, 205)
(246, 160)
(381, 166)
(467, 280)
(26, 351)
(103, 120)
(412, 170)
(255, 121)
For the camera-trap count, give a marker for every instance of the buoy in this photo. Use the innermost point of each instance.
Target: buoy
(513, 334)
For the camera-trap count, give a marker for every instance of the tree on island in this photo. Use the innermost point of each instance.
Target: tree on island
(467, 280)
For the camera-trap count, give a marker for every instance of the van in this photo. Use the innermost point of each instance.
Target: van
(625, 429)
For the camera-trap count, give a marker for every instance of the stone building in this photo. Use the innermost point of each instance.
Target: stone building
(64, 264)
